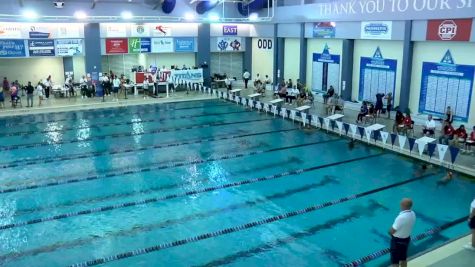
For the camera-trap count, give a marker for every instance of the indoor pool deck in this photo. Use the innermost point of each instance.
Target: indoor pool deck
(452, 254)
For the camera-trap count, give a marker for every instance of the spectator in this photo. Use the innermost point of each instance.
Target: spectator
(292, 94)
(6, 84)
(330, 93)
(331, 104)
(406, 123)
(246, 76)
(389, 104)
(258, 78)
(14, 93)
(29, 95)
(83, 84)
(267, 81)
(363, 112)
(300, 85)
(229, 83)
(471, 224)
(398, 120)
(400, 233)
(379, 104)
(115, 87)
(449, 118)
(471, 139)
(2, 98)
(41, 92)
(429, 127)
(447, 134)
(460, 135)
(48, 83)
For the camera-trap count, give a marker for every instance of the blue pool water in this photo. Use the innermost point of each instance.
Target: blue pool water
(123, 179)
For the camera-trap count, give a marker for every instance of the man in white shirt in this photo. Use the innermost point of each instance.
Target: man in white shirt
(229, 83)
(115, 87)
(471, 224)
(429, 127)
(400, 233)
(246, 76)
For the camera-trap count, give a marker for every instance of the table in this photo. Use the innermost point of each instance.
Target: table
(236, 92)
(376, 127)
(254, 96)
(302, 108)
(335, 117)
(278, 102)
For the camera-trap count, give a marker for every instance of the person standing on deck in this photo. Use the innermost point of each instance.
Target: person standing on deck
(400, 233)
(471, 224)
(246, 76)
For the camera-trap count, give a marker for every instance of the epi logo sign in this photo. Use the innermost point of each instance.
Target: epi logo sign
(449, 30)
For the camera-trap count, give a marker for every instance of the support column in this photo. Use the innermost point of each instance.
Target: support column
(303, 55)
(278, 57)
(68, 64)
(247, 60)
(406, 74)
(92, 42)
(347, 69)
(203, 57)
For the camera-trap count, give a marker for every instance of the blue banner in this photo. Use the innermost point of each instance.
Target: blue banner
(446, 84)
(185, 44)
(41, 48)
(377, 75)
(12, 48)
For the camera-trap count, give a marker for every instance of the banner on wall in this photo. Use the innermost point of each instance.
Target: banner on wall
(228, 44)
(10, 31)
(381, 30)
(194, 75)
(68, 31)
(449, 30)
(185, 44)
(12, 48)
(325, 71)
(377, 75)
(139, 45)
(265, 44)
(230, 30)
(446, 84)
(162, 45)
(324, 29)
(69, 47)
(41, 47)
(139, 30)
(115, 30)
(39, 32)
(117, 46)
(161, 30)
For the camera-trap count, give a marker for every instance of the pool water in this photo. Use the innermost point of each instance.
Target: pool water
(87, 185)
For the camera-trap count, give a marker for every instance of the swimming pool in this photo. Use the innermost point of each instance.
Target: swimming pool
(205, 183)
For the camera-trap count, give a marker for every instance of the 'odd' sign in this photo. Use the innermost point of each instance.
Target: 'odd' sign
(264, 43)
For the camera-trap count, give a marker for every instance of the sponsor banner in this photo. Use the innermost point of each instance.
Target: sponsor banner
(230, 30)
(39, 32)
(159, 30)
(185, 44)
(162, 45)
(194, 76)
(139, 30)
(8, 30)
(264, 44)
(41, 47)
(115, 30)
(117, 46)
(12, 48)
(69, 47)
(68, 31)
(324, 30)
(381, 30)
(449, 30)
(139, 45)
(228, 43)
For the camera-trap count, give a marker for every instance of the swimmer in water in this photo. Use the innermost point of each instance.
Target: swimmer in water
(447, 178)
(351, 144)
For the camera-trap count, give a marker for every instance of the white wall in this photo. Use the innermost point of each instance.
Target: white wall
(462, 53)
(262, 59)
(79, 66)
(32, 69)
(316, 46)
(366, 48)
(291, 59)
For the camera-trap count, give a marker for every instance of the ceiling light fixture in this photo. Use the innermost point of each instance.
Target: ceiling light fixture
(80, 15)
(126, 15)
(213, 17)
(189, 16)
(30, 14)
(253, 16)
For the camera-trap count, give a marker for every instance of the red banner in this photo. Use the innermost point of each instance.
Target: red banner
(449, 30)
(117, 46)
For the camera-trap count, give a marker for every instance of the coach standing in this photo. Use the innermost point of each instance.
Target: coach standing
(401, 233)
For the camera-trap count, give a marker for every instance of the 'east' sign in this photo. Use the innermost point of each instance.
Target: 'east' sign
(230, 30)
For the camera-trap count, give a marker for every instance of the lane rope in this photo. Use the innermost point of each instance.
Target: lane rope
(103, 137)
(25, 162)
(225, 231)
(177, 195)
(149, 168)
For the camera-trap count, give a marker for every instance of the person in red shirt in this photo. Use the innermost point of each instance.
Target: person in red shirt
(406, 123)
(448, 134)
(460, 135)
(471, 140)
